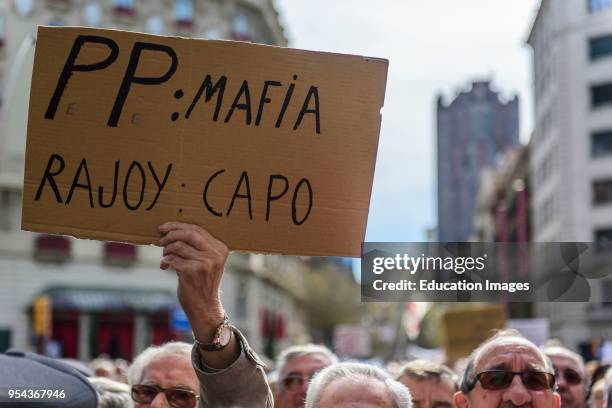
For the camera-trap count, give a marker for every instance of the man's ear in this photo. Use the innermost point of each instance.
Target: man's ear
(556, 400)
(461, 400)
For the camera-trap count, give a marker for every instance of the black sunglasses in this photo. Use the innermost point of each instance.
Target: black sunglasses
(177, 397)
(571, 376)
(501, 379)
(294, 381)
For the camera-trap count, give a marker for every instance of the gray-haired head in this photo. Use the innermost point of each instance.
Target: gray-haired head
(421, 370)
(112, 394)
(293, 352)
(557, 349)
(360, 374)
(152, 353)
(506, 336)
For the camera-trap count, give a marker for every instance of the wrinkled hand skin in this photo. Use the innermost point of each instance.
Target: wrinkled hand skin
(199, 260)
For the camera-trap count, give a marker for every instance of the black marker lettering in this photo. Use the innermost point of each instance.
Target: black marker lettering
(281, 114)
(277, 196)
(101, 189)
(244, 90)
(244, 176)
(205, 194)
(210, 91)
(160, 186)
(293, 202)
(311, 92)
(142, 185)
(264, 99)
(75, 183)
(70, 67)
(49, 176)
(130, 76)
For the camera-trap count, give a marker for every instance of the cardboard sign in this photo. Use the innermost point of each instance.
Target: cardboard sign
(269, 149)
(465, 329)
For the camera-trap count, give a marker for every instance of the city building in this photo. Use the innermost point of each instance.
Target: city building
(472, 131)
(502, 210)
(571, 148)
(87, 297)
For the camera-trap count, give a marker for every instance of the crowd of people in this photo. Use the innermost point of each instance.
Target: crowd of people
(221, 370)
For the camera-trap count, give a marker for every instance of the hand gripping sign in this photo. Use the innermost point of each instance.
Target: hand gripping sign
(270, 149)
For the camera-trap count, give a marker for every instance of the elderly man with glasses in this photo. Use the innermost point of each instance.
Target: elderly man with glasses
(506, 371)
(571, 375)
(220, 369)
(296, 366)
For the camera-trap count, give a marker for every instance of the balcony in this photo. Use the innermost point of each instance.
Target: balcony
(52, 248)
(119, 254)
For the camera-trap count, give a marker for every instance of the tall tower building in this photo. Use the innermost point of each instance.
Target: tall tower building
(571, 149)
(473, 130)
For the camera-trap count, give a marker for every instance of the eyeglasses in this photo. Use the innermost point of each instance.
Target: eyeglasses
(177, 397)
(501, 379)
(295, 381)
(571, 376)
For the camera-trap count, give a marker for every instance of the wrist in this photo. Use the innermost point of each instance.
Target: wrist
(205, 324)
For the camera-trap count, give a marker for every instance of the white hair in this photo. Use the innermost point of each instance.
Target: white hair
(358, 372)
(302, 350)
(111, 394)
(558, 350)
(152, 353)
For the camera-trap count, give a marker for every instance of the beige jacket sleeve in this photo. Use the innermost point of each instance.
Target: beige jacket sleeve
(241, 385)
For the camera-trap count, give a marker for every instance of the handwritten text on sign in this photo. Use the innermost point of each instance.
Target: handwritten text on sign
(269, 149)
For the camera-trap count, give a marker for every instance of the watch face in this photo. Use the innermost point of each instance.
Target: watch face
(23, 8)
(225, 335)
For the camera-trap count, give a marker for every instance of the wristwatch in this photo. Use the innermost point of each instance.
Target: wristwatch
(223, 335)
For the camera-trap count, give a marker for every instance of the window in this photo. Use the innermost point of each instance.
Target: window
(599, 5)
(603, 239)
(116, 253)
(92, 14)
(183, 13)
(53, 248)
(602, 192)
(124, 8)
(601, 95)
(600, 47)
(2, 26)
(601, 143)
(5, 340)
(155, 25)
(24, 8)
(241, 25)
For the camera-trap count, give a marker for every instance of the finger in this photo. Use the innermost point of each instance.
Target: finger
(190, 237)
(181, 249)
(174, 225)
(175, 262)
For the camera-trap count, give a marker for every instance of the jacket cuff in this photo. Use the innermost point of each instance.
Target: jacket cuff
(220, 381)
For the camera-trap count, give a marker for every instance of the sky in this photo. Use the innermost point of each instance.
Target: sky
(433, 47)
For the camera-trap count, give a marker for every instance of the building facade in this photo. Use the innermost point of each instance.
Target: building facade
(571, 149)
(472, 130)
(85, 298)
(502, 210)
